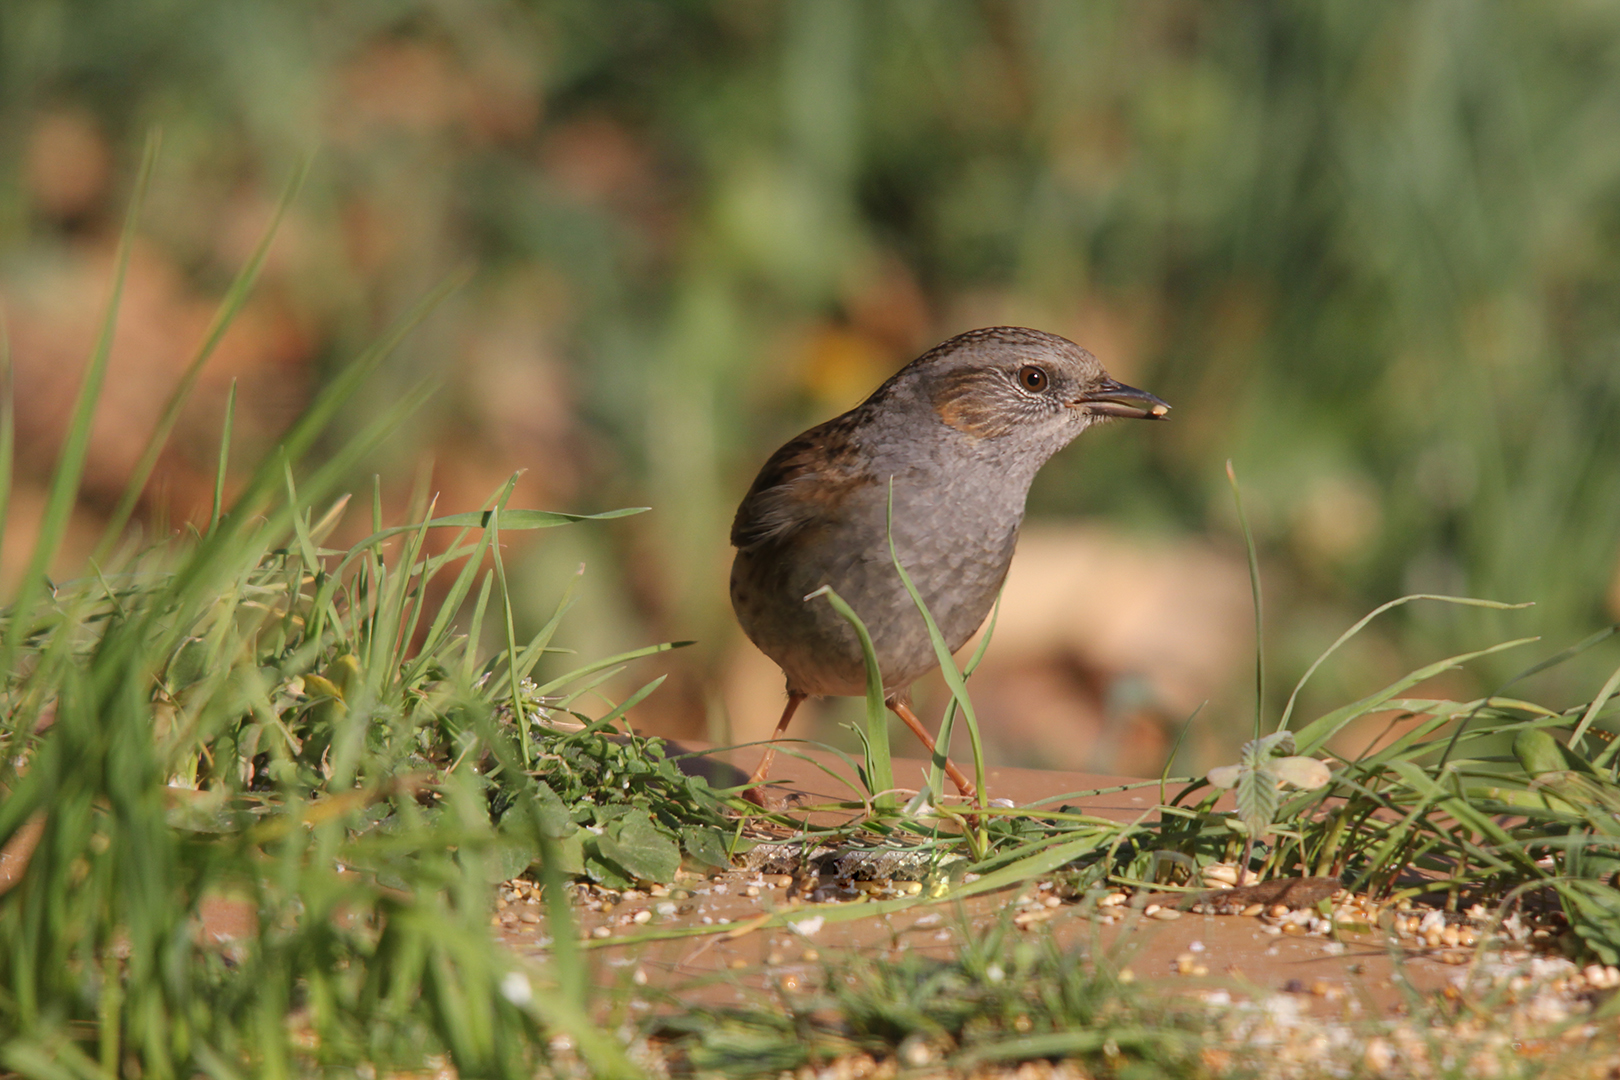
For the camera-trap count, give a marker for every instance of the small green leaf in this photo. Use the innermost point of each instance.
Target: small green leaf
(571, 855)
(601, 868)
(707, 846)
(510, 858)
(1257, 795)
(188, 664)
(550, 815)
(642, 848)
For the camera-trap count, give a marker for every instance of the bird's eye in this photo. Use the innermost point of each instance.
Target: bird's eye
(1032, 378)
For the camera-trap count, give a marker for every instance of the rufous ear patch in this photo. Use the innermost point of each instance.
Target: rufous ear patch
(974, 402)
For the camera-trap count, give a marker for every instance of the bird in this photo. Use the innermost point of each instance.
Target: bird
(954, 439)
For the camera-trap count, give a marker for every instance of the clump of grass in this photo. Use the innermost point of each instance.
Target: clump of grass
(1006, 998)
(243, 716)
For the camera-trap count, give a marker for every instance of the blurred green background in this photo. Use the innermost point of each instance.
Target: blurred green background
(1369, 251)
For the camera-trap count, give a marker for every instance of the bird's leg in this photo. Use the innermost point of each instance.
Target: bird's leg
(753, 794)
(903, 711)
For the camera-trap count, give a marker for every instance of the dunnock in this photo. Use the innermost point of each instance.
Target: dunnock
(960, 432)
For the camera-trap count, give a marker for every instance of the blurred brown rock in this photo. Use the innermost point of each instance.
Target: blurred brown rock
(68, 164)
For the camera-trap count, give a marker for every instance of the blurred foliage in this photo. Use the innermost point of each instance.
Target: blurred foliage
(1369, 250)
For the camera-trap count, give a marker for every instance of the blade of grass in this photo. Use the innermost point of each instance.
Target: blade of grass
(1311, 737)
(947, 725)
(607, 662)
(1259, 609)
(1534, 669)
(525, 739)
(1590, 714)
(1181, 736)
(617, 711)
(475, 629)
(1288, 711)
(75, 447)
(218, 547)
(229, 308)
(224, 457)
(391, 608)
(511, 521)
(879, 765)
(8, 440)
(541, 641)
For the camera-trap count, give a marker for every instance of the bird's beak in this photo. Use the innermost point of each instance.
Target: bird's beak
(1112, 398)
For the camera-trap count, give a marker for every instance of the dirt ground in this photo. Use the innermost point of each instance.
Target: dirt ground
(701, 941)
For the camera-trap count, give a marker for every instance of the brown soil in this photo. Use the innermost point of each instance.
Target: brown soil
(731, 960)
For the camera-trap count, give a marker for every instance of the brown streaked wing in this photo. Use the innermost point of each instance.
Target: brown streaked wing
(804, 481)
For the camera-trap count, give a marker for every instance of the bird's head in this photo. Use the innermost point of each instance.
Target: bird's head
(1007, 382)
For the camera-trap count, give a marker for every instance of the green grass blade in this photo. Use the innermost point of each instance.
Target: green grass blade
(224, 457)
(1590, 714)
(1259, 607)
(8, 430)
(879, 765)
(389, 623)
(324, 409)
(511, 521)
(1311, 737)
(229, 307)
(618, 710)
(475, 629)
(1288, 711)
(619, 658)
(947, 725)
(70, 467)
(1534, 669)
(526, 739)
(537, 645)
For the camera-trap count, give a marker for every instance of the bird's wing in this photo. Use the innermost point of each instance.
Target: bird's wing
(803, 483)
